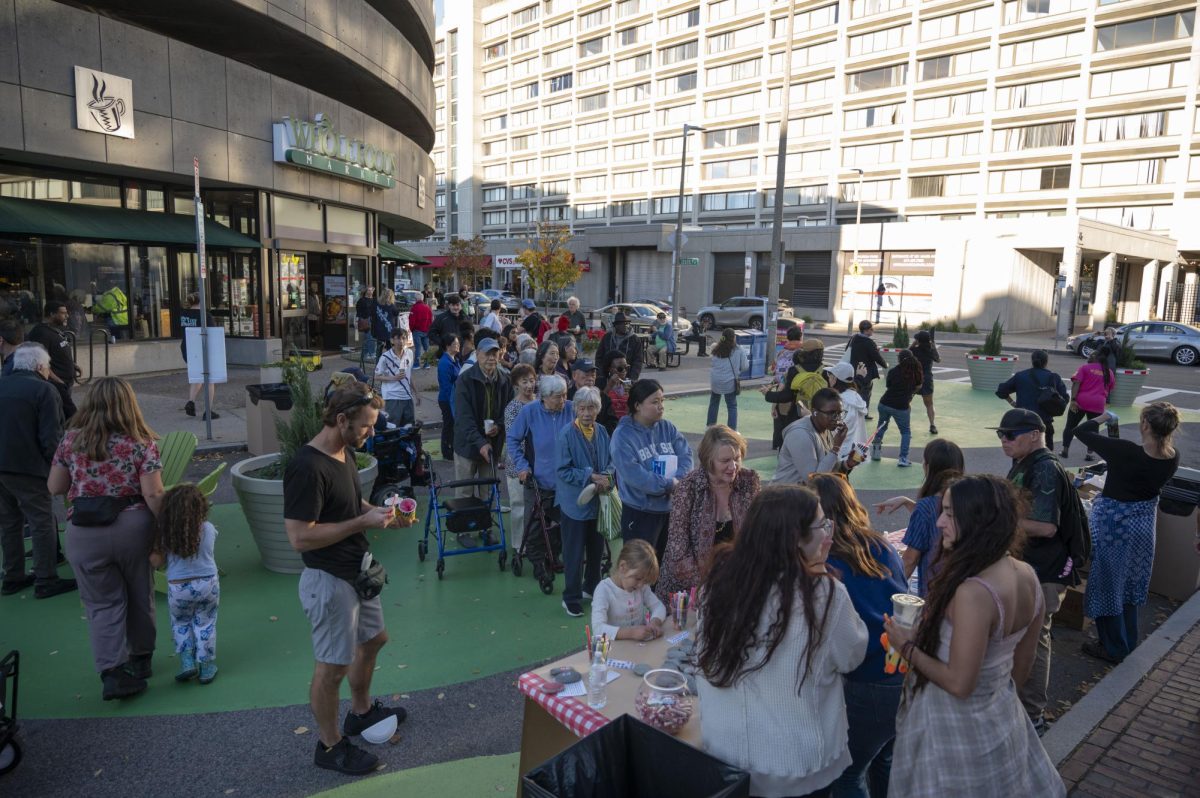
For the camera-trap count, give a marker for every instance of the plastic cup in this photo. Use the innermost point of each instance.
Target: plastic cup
(406, 510)
(906, 608)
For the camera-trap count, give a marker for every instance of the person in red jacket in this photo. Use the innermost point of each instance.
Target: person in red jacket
(419, 319)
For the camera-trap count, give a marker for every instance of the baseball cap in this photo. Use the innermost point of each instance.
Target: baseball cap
(487, 345)
(812, 345)
(1019, 420)
(528, 304)
(844, 372)
(583, 364)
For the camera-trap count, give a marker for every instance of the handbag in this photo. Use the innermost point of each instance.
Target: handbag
(371, 579)
(1050, 401)
(363, 325)
(737, 383)
(99, 510)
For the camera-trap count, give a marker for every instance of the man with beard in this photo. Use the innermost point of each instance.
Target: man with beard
(52, 334)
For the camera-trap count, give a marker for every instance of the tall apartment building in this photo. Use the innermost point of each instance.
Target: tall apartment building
(965, 111)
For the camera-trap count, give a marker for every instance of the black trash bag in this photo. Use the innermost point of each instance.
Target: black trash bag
(277, 392)
(629, 759)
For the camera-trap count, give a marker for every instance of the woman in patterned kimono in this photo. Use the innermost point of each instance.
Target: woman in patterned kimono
(961, 730)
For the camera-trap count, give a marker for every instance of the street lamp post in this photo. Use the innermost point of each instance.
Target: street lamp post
(857, 218)
(771, 311)
(679, 227)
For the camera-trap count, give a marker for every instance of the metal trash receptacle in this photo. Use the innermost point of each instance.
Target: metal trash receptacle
(267, 402)
(630, 759)
(1176, 571)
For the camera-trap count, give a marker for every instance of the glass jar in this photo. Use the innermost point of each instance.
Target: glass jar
(663, 700)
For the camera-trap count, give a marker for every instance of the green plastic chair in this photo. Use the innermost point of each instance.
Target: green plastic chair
(208, 485)
(176, 451)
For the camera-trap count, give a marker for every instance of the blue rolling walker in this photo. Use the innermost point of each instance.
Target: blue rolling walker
(463, 516)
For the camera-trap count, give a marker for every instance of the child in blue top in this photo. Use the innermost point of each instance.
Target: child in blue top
(187, 539)
(448, 368)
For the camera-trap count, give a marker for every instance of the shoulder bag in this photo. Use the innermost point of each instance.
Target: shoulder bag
(1049, 401)
(737, 383)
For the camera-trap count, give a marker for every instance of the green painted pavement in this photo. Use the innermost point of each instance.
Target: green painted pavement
(476, 622)
(479, 776)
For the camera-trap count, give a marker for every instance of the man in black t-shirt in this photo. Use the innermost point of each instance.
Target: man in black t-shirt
(52, 334)
(326, 518)
(1040, 477)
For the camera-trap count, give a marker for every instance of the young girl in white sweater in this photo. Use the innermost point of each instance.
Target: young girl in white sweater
(624, 607)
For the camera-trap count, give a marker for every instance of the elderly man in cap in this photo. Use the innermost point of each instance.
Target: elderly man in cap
(583, 375)
(480, 396)
(532, 321)
(1052, 531)
(621, 339)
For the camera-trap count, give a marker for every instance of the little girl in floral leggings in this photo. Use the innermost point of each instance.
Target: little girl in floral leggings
(186, 538)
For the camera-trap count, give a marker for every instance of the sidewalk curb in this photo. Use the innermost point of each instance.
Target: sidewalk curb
(952, 339)
(1073, 728)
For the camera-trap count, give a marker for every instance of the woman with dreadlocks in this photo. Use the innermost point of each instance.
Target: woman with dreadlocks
(961, 730)
(186, 540)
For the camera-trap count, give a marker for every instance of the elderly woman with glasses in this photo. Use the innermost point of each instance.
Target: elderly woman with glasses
(532, 440)
(584, 471)
(707, 508)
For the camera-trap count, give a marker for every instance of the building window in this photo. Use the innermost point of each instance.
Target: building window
(953, 105)
(742, 37)
(943, 185)
(800, 164)
(955, 146)
(1037, 51)
(671, 146)
(495, 124)
(872, 190)
(631, 122)
(591, 157)
(627, 8)
(731, 137)
(675, 115)
(591, 184)
(798, 195)
(525, 16)
(948, 66)
(556, 188)
(878, 78)
(810, 56)
(1140, 79)
(525, 191)
(629, 208)
(1135, 126)
(679, 22)
(634, 35)
(558, 110)
(495, 27)
(560, 83)
(868, 8)
(556, 213)
(671, 204)
(627, 180)
(874, 116)
(593, 75)
(522, 43)
(493, 101)
(730, 8)
(677, 84)
(557, 163)
(878, 41)
(869, 154)
(737, 104)
(492, 148)
(592, 130)
(520, 143)
(1041, 178)
(805, 21)
(522, 68)
(558, 32)
(593, 102)
(1149, 30)
(740, 70)
(593, 19)
(520, 216)
(556, 137)
(495, 194)
(1032, 137)
(677, 53)
(495, 217)
(630, 66)
(1024, 10)
(737, 167)
(960, 23)
(594, 46)
(637, 93)
(1139, 217)
(557, 58)
(1151, 171)
(728, 201)
(497, 50)
(529, 91)
(1043, 92)
(810, 91)
(629, 152)
(802, 127)
(590, 210)
(523, 118)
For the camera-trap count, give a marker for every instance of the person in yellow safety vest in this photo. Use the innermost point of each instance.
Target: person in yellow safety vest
(114, 304)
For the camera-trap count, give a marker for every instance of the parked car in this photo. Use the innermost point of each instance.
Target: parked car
(661, 304)
(510, 302)
(738, 311)
(642, 317)
(1169, 340)
(407, 298)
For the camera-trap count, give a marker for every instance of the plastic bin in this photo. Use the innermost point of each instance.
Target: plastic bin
(629, 759)
(267, 402)
(1176, 572)
(754, 344)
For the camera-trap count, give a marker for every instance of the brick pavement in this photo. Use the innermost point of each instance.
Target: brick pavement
(1149, 745)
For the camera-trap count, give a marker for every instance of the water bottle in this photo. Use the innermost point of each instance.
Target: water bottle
(1114, 425)
(598, 681)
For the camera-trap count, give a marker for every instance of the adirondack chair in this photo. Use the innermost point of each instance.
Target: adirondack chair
(176, 451)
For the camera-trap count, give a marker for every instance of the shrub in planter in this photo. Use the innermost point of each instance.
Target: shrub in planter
(1130, 376)
(988, 365)
(900, 335)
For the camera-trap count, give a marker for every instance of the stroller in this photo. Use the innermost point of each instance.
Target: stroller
(10, 749)
(545, 553)
(462, 516)
(400, 458)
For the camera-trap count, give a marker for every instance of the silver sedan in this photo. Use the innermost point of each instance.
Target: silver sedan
(1165, 340)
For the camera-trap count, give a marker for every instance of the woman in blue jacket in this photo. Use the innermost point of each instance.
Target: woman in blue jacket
(643, 447)
(584, 471)
(448, 368)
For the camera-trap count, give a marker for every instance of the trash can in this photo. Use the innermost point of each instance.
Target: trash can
(1176, 572)
(267, 403)
(629, 759)
(754, 344)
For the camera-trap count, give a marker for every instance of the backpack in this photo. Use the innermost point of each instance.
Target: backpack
(1049, 401)
(1073, 520)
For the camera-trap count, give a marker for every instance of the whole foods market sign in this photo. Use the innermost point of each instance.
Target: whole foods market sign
(317, 145)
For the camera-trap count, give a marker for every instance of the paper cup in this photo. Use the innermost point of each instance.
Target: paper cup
(406, 510)
(488, 425)
(906, 608)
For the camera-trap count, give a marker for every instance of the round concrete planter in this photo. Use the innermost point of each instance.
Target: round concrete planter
(988, 371)
(1128, 385)
(262, 504)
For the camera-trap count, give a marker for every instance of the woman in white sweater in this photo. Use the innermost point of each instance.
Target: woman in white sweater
(776, 635)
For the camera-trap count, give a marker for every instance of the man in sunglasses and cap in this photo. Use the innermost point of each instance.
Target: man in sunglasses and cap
(1052, 535)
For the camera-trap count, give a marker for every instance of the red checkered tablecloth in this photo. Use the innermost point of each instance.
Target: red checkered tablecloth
(576, 715)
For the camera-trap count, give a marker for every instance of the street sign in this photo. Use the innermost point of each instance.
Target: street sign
(683, 239)
(689, 261)
(855, 269)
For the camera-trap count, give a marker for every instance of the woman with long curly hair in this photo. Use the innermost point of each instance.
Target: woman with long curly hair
(961, 729)
(777, 632)
(872, 573)
(108, 466)
(896, 403)
(186, 539)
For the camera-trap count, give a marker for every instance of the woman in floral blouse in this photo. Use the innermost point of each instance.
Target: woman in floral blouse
(108, 466)
(707, 508)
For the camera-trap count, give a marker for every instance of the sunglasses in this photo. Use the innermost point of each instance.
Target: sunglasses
(365, 399)
(1008, 435)
(621, 369)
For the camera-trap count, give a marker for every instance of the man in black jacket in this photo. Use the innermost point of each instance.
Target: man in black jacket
(447, 322)
(620, 339)
(52, 334)
(480, 396)
(30, 428)
(864, 350)
(1028, 386)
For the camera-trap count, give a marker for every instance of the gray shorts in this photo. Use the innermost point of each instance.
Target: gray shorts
(340, 620)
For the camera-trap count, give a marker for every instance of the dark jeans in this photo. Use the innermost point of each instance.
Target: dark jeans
(581, 543)
(420, 344)
(1073, 419)
(1119, 633)
(447, 431)
(865, 386)
(871, 711)
(647, 526)
(24, 497)
(714, 406)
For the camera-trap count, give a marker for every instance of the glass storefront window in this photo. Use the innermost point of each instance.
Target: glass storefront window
(293, 269)
(298, 219)
(232, 285)
(151, 294)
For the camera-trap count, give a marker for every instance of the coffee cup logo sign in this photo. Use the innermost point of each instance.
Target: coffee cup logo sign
(317, 145)
(103, 103)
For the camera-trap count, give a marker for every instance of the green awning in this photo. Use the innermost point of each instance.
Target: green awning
(97, 223)
(392, 252)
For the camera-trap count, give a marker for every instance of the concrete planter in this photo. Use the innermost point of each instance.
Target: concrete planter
(262, 504)
(988, 371)
(1128, 385)
(890, 354)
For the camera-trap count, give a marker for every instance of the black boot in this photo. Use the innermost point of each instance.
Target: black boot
(119, 683)
(139, 666)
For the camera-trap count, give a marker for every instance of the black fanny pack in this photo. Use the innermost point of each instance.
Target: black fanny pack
(100, 510)
(370, 581)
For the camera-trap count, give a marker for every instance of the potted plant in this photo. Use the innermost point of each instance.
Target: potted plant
(899, 341)
(258, 481)
(1130, 376)
(988, 365)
